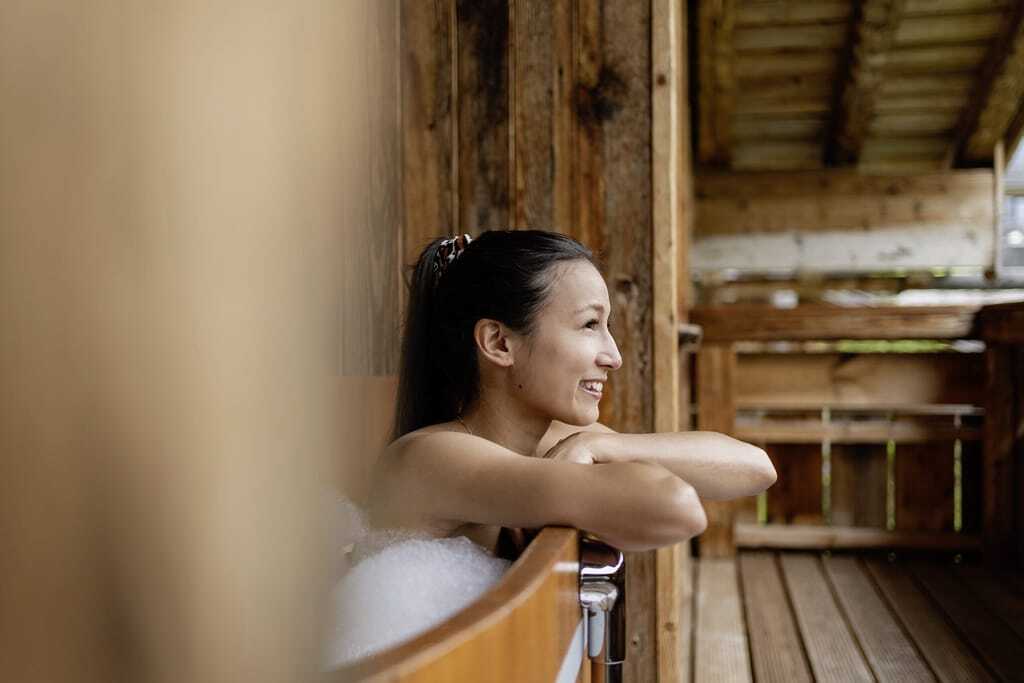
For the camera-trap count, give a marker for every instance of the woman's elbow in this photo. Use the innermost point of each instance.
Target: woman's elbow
(690, 519)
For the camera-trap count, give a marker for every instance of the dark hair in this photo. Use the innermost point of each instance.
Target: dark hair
(503, 275)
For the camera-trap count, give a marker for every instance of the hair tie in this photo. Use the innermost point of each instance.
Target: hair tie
(448, 251)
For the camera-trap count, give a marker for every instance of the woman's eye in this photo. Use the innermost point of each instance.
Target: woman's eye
(592, 324)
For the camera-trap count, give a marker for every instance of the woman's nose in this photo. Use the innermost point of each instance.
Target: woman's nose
(610, 358)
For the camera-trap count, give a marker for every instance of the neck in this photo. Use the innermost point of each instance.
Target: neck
(506, 423)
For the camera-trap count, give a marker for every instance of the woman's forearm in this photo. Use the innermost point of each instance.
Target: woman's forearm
(719, 467)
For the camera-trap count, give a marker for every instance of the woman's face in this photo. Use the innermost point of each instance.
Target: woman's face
(562, 367)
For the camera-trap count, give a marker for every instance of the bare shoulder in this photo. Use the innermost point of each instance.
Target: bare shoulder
(560, 430)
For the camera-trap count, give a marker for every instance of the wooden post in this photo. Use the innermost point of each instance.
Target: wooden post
(997, 475)
(716, 369)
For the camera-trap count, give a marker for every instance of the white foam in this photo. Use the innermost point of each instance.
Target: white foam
(401, 584)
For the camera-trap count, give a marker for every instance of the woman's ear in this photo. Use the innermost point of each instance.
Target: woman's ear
(494, 342)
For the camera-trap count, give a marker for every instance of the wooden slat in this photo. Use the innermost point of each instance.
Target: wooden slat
(924, 486)
(755, 65)
(889, 651)
(998, 450)
(859, 479)
(830, 322)
(873, 35)
(781, 127)
(831, 648)
(808, 36)
(775, 645)
(811, 431)
(482, 96)
(929, 60)
(846, 538)
(998, 646)
(1002, 594)
(997, 95)
(952, 30)
(784, 12)
(721, 652)
(427, 124)
(796, 495)
(781, 156)
(533, 67)
(716, 368)
(839, 182)
(915, 7)
(716, 82)
(950, 658)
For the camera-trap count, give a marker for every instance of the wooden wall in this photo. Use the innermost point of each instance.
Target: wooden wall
(568, 115)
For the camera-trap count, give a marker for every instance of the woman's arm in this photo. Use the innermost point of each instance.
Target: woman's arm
(719, 467)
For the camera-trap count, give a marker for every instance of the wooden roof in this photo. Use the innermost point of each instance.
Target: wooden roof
(882, 85)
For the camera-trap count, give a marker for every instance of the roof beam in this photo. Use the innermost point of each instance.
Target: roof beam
(716, 81)
(996, 99)
(873, 30)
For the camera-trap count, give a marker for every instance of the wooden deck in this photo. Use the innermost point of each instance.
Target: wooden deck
(813, 616)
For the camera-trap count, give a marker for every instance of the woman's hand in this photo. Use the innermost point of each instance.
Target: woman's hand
(577, 448)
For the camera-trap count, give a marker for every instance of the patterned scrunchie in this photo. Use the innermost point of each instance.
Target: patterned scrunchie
(448, 251)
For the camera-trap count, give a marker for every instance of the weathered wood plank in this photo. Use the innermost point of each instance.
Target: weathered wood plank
(945, 58)
(806, 537)
(778, 156)
(716, 81)
(751, 322)
(795, 498)
(999, 89)
(840, 183)
(887, 648)
(790, 37)
(775, 645)
(915, 7)
(873, 35)
(716, 371)
(831, 648)
(998, 453)
(784, 12)
(952, 30)
(781, 63)
(482, 97)
(924, 486)
(948, 655)
(427, 124)
(859, 481)
(863, 380)
(721, 652)
(998, 646)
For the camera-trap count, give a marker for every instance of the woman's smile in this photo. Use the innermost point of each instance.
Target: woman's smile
(594, 387)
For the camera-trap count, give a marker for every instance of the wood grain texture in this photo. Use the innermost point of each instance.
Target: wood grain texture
(534, 72)
(949, 656)
(831, 648)
(859, 482)
(887, 648)
(716, 371)
(518, 631)
(716, 80)
(775, 645)
(998, 646)
(721, 653)
(482, 97)
(428, 124)
(812, 537)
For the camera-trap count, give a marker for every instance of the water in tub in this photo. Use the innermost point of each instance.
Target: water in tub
(396, 584)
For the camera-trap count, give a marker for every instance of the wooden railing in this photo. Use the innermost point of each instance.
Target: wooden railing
(872, 449)
(529, 627)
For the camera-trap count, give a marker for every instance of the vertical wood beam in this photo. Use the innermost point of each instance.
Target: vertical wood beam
(667, 107)
(998, 454)
(716, 80)
(716, 409)
(428, 187)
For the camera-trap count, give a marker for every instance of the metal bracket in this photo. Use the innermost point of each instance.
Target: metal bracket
(603, 596)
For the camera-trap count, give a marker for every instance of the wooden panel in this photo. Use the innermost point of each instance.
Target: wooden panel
(427, 124)
(721, 642)
(534, 69)
(796, 495)
(518, 631)
(949, 656)
(716, 369)
(821, 322)
(775, 645)
(991, 638)
(806, 537)
(831, 648)
(887, 648)
(997, 470)
(924, 487)
(857, 380)
(859, 485)
(482, 96)
(716, 82)
(972, 460)
(1002, 323)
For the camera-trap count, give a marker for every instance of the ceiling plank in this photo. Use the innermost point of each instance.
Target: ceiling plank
(996, 98)
(716, 80)
(873, 34)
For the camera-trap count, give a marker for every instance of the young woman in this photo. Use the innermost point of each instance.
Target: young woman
(506, 353)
